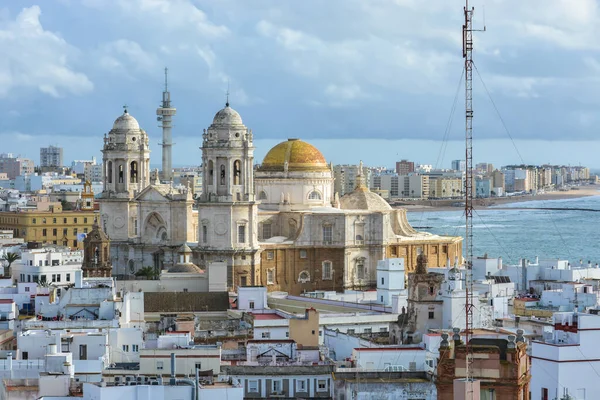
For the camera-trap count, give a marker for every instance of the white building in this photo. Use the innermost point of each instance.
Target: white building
(390, 280)
(567, 361)
(53, 265)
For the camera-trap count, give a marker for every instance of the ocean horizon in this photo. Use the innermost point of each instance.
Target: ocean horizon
(525, 229)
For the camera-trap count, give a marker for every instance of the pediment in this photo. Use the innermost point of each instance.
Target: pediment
(151, 193)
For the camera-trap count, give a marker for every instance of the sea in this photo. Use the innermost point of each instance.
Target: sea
(569, 231)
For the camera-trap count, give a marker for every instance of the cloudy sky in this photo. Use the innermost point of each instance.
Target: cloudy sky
(373, 80)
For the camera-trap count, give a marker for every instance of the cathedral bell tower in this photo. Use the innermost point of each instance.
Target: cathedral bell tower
(126, 158)
(96, 254)
(227, 212)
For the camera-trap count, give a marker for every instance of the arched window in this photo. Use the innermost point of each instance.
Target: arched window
(314, 195)
(237, 172)
(109, 172)
(211, 172)
(121, 173)
(222, 174)
(133, 172)
(304, 277)
(262, 195)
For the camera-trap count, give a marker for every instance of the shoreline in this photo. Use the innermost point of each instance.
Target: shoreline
(496, 203)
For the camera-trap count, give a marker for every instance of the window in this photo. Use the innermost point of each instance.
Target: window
(266, 335)
(276, 387)
(445, 248)
(251, 305)
(252, 386)
(34, 221)
(322, 385)
(57, 277)
(287, 334)
(65, 231)
(43, 220)
(544, 394)
(54, 232)
(204, 233)
(314, 195)
(36, 278)
(270, 276)
(382, 280)
(135, 348)
(327, 234)
(383, 330)
(53, 277)
(160, 365)
(27, 287)
(303, 254)
(431, 290)
(434, 250)
(431, 315)
(74, 243)
(327, 270)
(125, 348)
(185, 290)
(198, 366)
(64, 220)
(304, 277)
(267, 231)
(301, 385)
(360, 271)
(270, 255)
(68, 278)
(74, 231)
(85, 230)
(350, 331)
(367, 330)
(241, 233)
(262, 195)
(44, 232)
(75, 220)
(53, 220)
(42, 278)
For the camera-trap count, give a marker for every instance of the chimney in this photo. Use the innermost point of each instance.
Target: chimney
(172, 381)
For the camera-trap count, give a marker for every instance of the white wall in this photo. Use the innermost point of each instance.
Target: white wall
(94, 392)
(379, 359)
(257, 295)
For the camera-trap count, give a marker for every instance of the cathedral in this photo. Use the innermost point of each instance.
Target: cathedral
(277, 223)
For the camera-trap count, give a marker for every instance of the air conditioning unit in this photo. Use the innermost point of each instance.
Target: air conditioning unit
(130, 378)
(132, 383)
(139, 379)
(118, 379)
(154, 383)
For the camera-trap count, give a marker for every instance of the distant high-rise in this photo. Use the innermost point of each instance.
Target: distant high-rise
(165, 112)
(458, 165)
(51, 157)
(15, 166)
(404, 167)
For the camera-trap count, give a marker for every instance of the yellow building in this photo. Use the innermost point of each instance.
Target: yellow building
(55, 226)
(445, 187)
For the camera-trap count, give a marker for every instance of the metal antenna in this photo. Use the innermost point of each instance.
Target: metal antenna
(468, 56)
(166, 79)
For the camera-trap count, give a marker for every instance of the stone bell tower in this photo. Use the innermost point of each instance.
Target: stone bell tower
(228, 212)
(96, 254)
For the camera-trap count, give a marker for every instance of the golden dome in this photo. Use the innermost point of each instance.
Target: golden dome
(299, 156)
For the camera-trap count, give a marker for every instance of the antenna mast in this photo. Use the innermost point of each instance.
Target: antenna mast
(468, 56)
(165, 113)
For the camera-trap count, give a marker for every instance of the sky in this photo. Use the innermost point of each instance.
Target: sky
(377, 80)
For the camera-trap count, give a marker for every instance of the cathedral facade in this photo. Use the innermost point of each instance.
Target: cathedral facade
(146, 221)
(278, 224)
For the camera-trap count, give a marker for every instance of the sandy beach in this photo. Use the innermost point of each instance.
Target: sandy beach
(496, 202)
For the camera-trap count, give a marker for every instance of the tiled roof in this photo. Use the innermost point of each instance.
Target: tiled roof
(185, 301)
